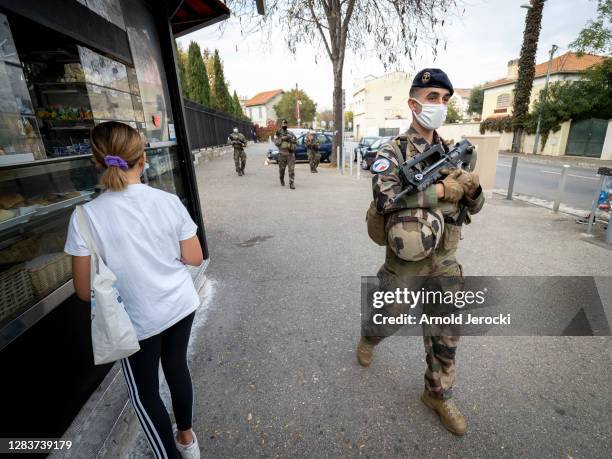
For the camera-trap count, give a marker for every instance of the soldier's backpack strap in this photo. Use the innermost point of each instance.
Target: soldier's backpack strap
(402, 142)
(391, 151)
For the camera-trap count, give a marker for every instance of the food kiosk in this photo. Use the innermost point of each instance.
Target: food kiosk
(65, 66)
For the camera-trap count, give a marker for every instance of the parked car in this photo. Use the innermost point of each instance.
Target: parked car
(298, 131)
(369, 155)
(364, 143)
(301, 153)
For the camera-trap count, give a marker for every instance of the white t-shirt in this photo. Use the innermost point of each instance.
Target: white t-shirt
(137, 232)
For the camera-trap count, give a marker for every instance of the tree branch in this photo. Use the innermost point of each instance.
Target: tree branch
(319, 26)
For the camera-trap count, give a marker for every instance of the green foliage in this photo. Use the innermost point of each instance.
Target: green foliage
(453, 115)
(596, 37)
(236, 108)
(327, 116)
(476, 100)
(181, 57)
(522, 90)
(348, 118)
(221, 96)
(497, 124)
(590, 97)
(286, 107)
(198, 88)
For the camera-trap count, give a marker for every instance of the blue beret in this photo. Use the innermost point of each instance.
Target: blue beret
(432, 78)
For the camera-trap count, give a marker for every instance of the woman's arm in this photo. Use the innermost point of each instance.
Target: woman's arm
(191, 251)
(80, 277)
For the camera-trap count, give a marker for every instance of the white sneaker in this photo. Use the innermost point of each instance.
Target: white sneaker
(191, 451)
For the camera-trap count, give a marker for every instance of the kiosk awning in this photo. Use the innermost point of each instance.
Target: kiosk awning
(187, 16)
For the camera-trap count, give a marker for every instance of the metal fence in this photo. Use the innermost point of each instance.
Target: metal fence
(208, 127)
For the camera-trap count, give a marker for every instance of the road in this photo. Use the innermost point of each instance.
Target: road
(542, 180)
(272, 356)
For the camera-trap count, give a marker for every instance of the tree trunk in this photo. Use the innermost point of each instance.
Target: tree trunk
(522, 90)
(337, 109)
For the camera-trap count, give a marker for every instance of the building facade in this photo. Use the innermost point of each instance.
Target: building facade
(380, 105)
(461, 98)
(499, 94)
(260, 108)
(590, 137)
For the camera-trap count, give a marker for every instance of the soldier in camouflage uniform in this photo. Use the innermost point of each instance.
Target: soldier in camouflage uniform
(286, 142)
(434, 265)
(312, 144)
(238, 141)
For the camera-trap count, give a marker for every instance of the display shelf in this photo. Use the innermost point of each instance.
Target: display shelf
(19, 114)
(41, 210)
(70, 128)
(82, 85)
(38, 167)
(44, 210)
(15, 221)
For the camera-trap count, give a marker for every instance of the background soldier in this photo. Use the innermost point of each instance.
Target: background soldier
(286, 141)
(238, 141)
(312, 144)
(421, 235)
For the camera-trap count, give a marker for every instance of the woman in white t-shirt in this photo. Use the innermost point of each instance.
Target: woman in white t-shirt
(146, 237)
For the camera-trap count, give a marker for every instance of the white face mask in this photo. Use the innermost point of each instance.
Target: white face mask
(236, 130)
(432, 116)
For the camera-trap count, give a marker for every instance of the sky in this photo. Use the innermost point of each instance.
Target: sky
(480, 42)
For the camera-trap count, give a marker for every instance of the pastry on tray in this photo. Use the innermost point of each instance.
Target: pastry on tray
(6, 214)
(21, 251)
(71, 194)
(10, 200)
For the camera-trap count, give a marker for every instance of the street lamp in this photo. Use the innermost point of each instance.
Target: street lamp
(552, 51)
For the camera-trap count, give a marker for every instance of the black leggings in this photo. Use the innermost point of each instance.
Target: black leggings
(141, 372)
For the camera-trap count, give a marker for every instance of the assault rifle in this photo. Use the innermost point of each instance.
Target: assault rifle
(423, 169)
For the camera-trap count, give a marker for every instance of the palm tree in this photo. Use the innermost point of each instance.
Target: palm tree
(526, 72)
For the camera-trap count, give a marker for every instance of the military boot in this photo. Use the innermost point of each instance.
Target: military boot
(291, 185)
(365, 352)
(449, 414)
(282, 179)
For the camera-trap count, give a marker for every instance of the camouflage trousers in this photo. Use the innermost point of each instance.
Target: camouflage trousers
(440, 271)
(239, 159)
(314, 157)
(286, 160)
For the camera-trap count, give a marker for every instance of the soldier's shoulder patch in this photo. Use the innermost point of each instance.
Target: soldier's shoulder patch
(381, 165)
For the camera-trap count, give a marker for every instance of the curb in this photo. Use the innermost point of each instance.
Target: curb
(208, 154)
(564, 209)
(576, 161)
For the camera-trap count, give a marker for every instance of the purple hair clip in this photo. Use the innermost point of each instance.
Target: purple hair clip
(116, 161)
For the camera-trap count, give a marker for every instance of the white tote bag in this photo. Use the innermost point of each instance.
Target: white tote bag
(112, 334)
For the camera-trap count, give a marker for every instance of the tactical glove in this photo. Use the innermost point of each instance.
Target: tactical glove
(453, 189)
(468, 180)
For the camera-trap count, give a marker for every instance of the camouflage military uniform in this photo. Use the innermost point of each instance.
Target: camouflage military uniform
(312, 144)
(286, 143)
(238, 141)
(439, 270)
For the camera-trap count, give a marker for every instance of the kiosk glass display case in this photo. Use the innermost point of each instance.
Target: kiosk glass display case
(52, 92)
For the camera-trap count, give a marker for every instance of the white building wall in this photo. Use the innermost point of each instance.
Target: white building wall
(606, 152)
(381, 103)
(491, 94)
(456, 131)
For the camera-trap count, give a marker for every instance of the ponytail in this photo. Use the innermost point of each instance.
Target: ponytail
(117, 147)
(114, 179)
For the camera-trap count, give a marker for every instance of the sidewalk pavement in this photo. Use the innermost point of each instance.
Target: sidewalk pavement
(575, 161)
(272, 353)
